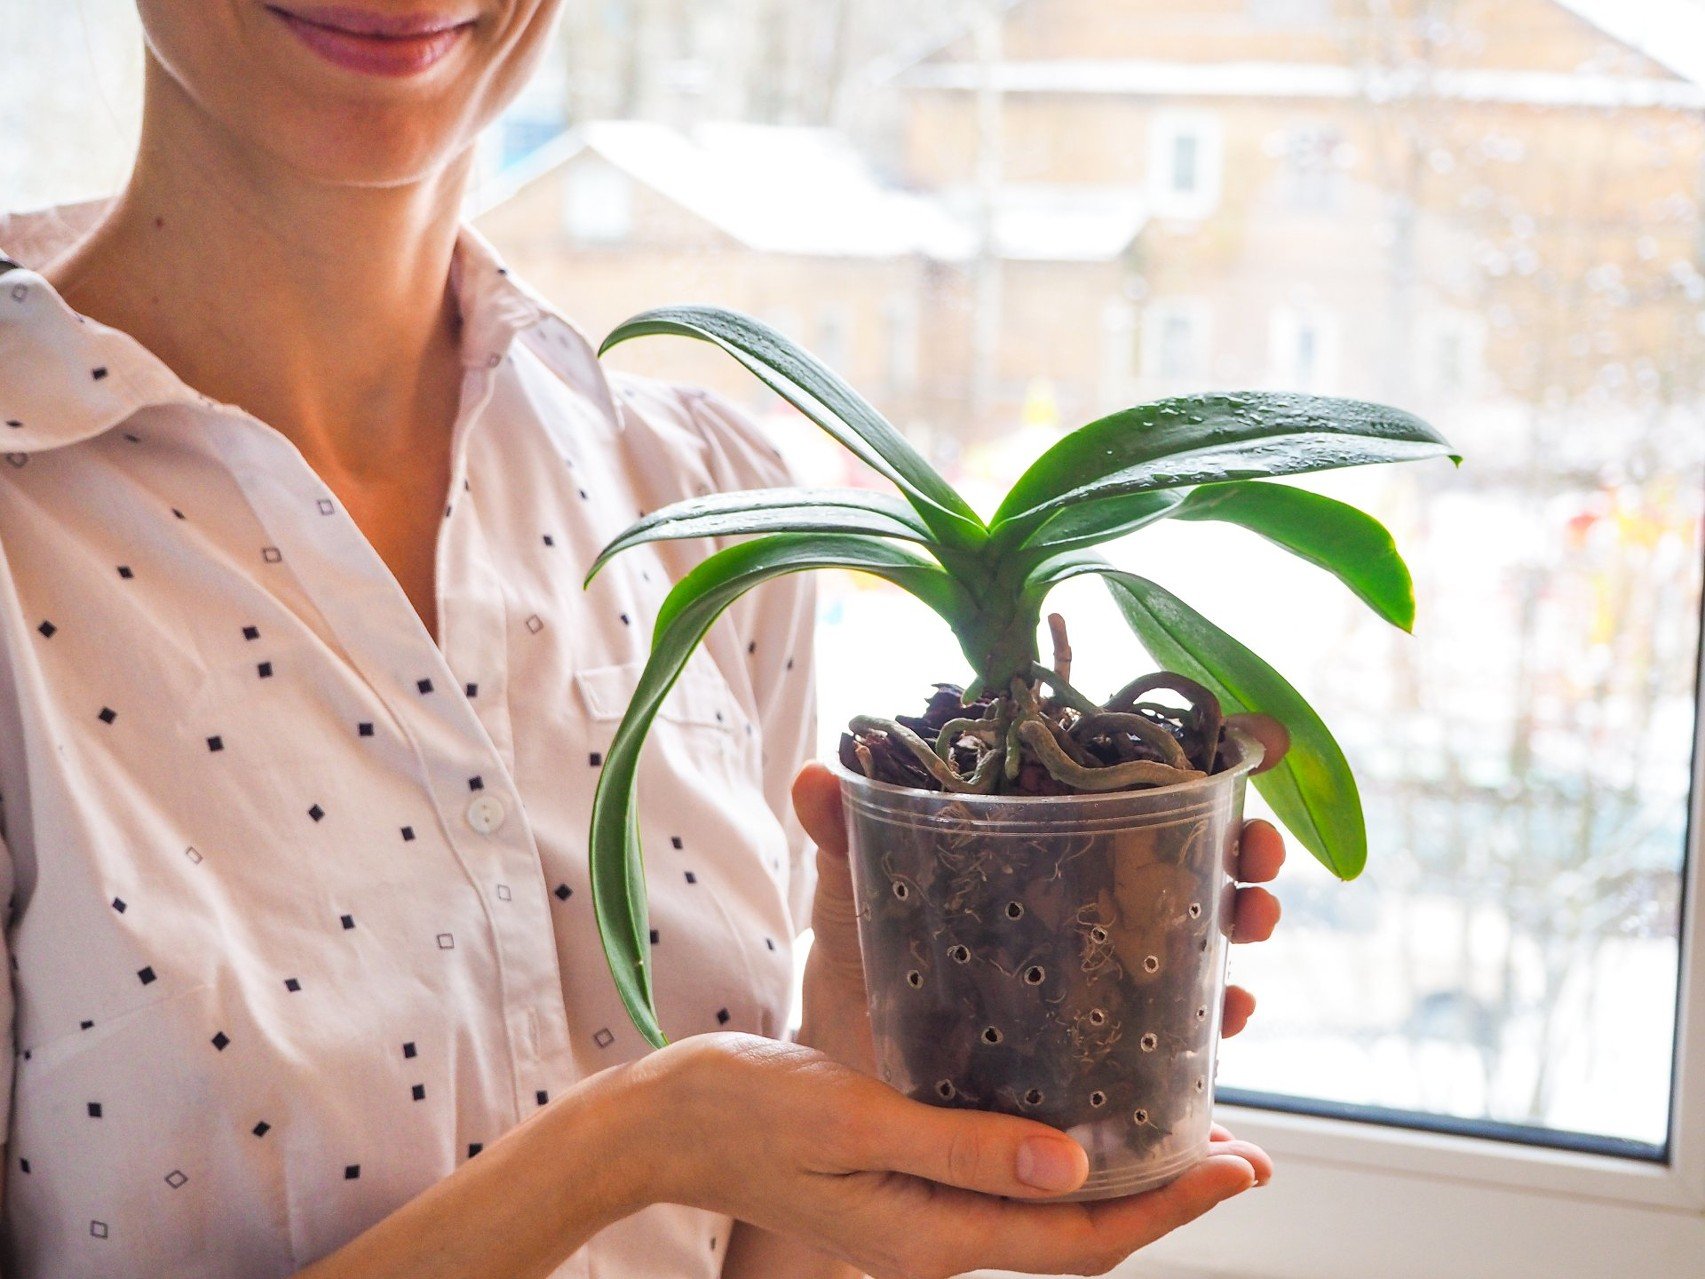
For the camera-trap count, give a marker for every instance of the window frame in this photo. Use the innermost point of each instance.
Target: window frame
(1352, 1198)
(1285, 327)
(1203, 197)
(1156, 313)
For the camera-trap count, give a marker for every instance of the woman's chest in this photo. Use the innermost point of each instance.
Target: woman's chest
(325, 876)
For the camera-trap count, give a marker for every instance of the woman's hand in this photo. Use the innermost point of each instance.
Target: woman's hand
(836, 1017)
(781, 1136)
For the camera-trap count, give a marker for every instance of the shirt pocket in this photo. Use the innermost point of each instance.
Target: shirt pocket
(700, 697)
(142, 1019)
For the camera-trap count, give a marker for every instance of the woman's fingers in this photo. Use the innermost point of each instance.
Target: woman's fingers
(1255, 915)
(797, 1144)
(1093, 1238)
(1238, 1008)
(817, 800)
(1260, 853)
(1221, 1141)
(834, 911)
(1274, 737)
(969, 1149)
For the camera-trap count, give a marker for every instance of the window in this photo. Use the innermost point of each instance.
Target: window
(1449, 350)
(901, 314)
(1175, 342)
(1314, 160)
(831, 339)
(1184, 164)
(1486, 1057)
(1304, 349)
(1118, 348)
(597, 202)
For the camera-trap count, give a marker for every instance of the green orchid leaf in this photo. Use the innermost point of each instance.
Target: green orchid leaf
(1350, 544)
(1311, 790)
(812, 388)
(617, 865)
(794, 510)
(1202, 439)
(1101, 520)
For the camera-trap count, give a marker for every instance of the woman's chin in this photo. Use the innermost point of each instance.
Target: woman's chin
(356, 145)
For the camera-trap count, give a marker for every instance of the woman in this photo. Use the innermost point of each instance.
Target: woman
(303, 706)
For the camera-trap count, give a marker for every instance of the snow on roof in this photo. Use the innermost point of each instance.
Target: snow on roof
(1669, 32)
(790, 189)
(1310, 80)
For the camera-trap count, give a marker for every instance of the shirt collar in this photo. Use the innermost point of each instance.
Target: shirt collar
(65, 378)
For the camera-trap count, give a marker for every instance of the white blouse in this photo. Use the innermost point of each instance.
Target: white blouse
(299, 906)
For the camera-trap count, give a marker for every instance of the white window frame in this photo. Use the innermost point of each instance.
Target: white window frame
(902, 341)
(1468, 330)
(832, 334)
(1284, 327)
(1166, 198)
(1352, 1200)
(1197, 314)
(1118, 352)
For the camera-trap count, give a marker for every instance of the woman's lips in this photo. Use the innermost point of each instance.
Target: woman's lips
(378, 44)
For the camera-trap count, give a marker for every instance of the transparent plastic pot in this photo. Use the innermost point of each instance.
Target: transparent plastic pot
(1059, 957)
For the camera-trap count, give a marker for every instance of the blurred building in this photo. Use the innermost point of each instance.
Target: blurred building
(1068, 205)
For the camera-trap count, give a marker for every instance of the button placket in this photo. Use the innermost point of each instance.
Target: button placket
(338, 571)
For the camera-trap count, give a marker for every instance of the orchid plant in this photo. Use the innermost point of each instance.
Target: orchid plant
(1197, 457)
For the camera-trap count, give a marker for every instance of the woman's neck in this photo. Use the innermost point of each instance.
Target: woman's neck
(321, 309)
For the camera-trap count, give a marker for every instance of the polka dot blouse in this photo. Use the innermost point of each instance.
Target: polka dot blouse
(299, 913)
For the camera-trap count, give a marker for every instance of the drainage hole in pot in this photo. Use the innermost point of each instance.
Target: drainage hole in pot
(1098, 1098)
(1096, 1016)
(1151, 964)
(1149, 1042)
(959, 954)
(1033, 975)
(900, 889)
(1015, 910)
(945, 1090)
(914, 979)
(992, 1035)
(1140, 1116)
(1098, 934)
(1195, 910)
(1033, 1097)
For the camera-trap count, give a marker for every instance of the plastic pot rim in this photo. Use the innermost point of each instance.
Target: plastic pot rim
(1250, 755)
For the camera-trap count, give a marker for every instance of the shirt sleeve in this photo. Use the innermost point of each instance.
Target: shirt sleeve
(778, 622)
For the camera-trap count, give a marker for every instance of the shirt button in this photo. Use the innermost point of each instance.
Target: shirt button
(486, 814)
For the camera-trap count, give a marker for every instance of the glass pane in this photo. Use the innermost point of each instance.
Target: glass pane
(1488, 213)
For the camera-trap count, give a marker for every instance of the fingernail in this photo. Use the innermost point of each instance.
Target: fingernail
(1246, 1167)
(1047, 1165)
